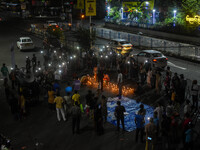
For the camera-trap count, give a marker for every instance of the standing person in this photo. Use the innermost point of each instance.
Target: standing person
(169, 71)
(59, 107)
(12, 78)
(68, 89)
(51, 95)
(188, 137)
(167, 83)
(149, 76)
(104, 108)
(119, 114)
(183, 84)
(139, 121)
(4, 71)
(7, 88)
(34, 62)
(77, 84)
(158, 82)
(142, 74)
(194, 93)
(22, 104)
(57, 75)
(176, 83)
(56, 88)
(76, 98)
(187, 107)
(67, 104)
(119, 82)
(14, 107)
(150, 130)
(159, 110)
(98, 120)
(76, 115)
(169, 110)
(28, 65)
(100, 77)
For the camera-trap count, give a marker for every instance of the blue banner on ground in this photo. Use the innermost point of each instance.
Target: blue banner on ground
(131, 107)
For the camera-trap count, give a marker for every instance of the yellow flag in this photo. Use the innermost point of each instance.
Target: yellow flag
(90, 7)
(80, 4)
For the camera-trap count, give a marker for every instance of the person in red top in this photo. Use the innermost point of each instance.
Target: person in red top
(186, 121)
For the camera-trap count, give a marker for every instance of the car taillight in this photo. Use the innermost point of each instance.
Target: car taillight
(154, 60)
(166, 58)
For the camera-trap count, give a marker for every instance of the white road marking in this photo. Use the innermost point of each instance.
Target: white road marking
(171, 64)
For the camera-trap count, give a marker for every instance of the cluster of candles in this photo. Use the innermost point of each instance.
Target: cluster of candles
(91, 81)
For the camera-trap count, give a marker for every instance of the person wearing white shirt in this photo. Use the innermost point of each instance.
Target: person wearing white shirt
(119, 82)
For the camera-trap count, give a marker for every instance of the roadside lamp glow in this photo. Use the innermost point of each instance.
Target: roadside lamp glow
(101, 56)
(128, 62)
(54, 51)
(63, 63)
(110, 53)
(39, 68)
(101, 50)
(106, 56)
(71, 57)
(154, 20)
(60, 57)
(77, 47)
(147, 3)
(74, 56)
(118, 54)
(59, 66)
(41, 52)
(36, 70)
(148, 118)
(174, 13)
(60, 71)
(108, 7)
(49, 65)
(107, 46)
(11, 68)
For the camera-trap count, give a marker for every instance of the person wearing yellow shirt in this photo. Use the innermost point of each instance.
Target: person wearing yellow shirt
(51, 94)
(59, 107)
(76, 98)
(22, 103)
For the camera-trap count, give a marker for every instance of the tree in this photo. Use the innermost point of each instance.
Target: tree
(57, 33)
(191, 7)
(84, 39)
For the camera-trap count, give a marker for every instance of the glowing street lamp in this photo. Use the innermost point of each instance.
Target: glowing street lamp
(122, 12)
(174, 17)
(174, 13)
(154, 19)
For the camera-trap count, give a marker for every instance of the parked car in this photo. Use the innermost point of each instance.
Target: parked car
(121, 46)
(25, 43)
(151, 58)
(50, 23)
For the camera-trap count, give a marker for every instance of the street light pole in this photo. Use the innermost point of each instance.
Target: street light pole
(90, 31)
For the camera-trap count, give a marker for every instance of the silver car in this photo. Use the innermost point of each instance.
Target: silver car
(152, 58)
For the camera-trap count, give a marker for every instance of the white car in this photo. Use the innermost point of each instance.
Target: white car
(25, 43)
(50, 23)
(152, 58)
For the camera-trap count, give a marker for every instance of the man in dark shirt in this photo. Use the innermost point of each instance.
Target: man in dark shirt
(119, 114)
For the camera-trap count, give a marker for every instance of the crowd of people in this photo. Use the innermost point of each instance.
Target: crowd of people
(167, 123)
